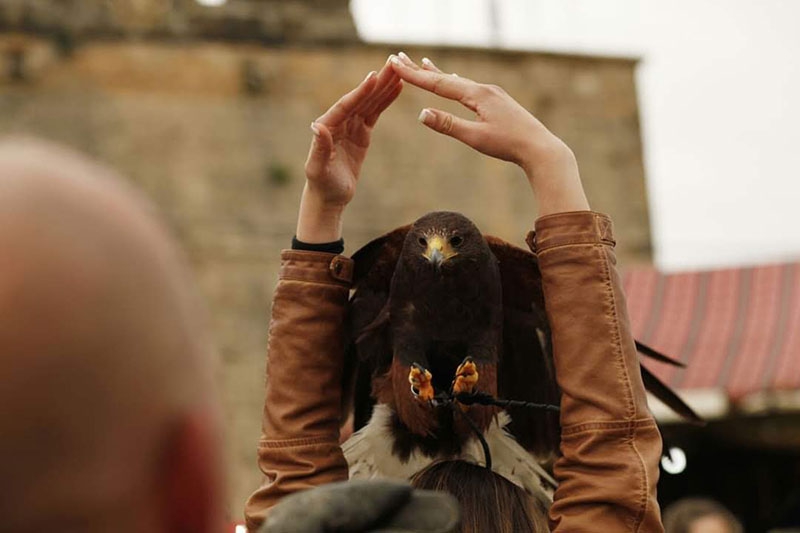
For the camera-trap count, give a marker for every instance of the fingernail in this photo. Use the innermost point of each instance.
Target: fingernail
(427, 62)
(425, 116)
(314, 129)
(404, 57)
(394, 60)
(455, 75)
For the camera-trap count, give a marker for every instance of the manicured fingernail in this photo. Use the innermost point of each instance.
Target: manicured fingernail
(455, 75)
(404, 57)
(427, 62)
(370, 75)
(394, 60)
(315, 129)
(425, 116)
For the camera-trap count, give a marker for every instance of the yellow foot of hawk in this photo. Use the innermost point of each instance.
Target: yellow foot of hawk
(466, 377)
(421, 385)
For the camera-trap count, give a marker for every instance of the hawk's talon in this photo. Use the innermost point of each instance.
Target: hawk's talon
(466, 377)
(421, 383)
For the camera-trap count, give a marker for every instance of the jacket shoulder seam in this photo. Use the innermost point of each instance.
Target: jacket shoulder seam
(612, 425)
(643, 484)
(576, 242)
(297, 442)
(331, 283)
(619, 358)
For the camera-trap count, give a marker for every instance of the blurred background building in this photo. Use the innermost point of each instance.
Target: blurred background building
(205, 105)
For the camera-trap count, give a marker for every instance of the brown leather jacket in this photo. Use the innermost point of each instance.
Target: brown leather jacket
(610, 444)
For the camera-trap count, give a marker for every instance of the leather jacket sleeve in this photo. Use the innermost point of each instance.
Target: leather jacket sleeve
(299, 446)
(610, 443)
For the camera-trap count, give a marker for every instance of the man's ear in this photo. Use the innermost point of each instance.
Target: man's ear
(191, 477)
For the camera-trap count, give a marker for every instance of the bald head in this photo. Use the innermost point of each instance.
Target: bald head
(104, 359)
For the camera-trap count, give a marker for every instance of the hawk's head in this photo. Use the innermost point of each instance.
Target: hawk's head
(443, 239)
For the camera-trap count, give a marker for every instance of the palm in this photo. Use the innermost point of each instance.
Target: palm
(350, 144)
(340, 147)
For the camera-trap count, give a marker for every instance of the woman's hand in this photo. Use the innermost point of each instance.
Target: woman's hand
(502, 129)
(341, 140)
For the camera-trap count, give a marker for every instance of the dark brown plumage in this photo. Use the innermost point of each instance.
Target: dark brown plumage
(434, 293)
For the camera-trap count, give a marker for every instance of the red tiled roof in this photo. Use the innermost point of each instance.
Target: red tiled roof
(735, 329)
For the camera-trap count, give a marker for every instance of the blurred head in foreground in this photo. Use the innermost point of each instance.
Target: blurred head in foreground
(108, 407)
(700, 515)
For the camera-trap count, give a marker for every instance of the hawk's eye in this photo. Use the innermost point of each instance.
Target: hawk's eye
(422, 241)
(456, 241)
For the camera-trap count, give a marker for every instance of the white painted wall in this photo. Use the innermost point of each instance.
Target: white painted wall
(719, 87)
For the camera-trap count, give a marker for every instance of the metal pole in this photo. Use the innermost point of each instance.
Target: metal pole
(494, 24)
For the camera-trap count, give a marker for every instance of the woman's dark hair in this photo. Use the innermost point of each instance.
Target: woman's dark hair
(489, 502)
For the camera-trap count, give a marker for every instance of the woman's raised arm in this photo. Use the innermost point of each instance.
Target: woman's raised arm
(299, 445)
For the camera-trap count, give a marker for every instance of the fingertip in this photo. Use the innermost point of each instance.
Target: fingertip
(426, 116)
(322, 136)
(407, 61)
(427, 64)
(446, 123)
(318, 128)
(368, 83)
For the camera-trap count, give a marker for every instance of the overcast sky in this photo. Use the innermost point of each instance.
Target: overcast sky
(719, 91)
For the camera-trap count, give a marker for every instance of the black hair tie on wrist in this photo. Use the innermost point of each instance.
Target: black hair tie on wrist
(335, 247)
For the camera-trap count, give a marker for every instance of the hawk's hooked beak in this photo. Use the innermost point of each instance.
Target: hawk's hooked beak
(436, 257)
(438, 251)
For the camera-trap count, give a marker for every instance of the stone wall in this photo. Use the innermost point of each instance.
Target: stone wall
(265, 21)
(217, 134)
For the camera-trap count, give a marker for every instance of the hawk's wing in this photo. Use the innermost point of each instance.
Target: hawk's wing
(526, 370)
(369, 351)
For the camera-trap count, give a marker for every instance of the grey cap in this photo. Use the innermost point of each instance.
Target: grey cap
(375, 506)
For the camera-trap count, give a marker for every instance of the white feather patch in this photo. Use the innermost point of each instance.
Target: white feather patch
(369, 455)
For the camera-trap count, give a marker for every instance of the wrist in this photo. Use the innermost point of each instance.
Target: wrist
(546, 156)
(553, 175)
(318, 221)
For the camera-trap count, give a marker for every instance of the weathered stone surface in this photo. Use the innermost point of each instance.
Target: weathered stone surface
(217, 135)
(276, 21)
